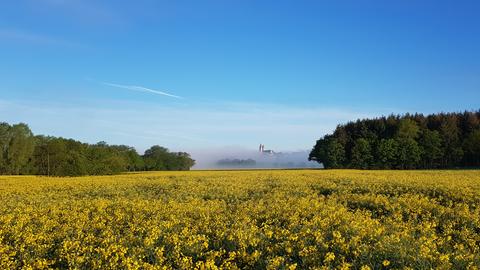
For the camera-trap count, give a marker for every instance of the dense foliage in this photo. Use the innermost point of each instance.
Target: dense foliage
(243, 220)
(23, 153)
(445, 140)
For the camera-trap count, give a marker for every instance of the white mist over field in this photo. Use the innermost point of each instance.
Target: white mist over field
(212, 159)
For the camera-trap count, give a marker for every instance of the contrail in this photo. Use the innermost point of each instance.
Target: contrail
(140, 89)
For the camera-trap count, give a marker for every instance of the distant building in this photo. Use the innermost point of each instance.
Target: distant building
(262, 150)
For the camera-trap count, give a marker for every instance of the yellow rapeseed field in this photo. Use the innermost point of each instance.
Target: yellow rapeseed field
(330, 219)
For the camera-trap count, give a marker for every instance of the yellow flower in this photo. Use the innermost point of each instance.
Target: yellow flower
(330, 256)
(239, 219)
(444, 257)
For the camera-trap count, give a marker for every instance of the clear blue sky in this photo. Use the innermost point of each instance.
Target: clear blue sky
(200, 74)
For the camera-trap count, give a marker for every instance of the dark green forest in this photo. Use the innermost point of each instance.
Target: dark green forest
(410, 141)
(24, 153)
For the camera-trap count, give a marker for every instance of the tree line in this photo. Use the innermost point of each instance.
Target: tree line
(236, 162)
(410, 141)
(21, 152)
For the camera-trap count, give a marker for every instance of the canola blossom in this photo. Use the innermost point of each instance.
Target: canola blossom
(272, 219)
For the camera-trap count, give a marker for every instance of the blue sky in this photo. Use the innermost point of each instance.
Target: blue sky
(205, 74)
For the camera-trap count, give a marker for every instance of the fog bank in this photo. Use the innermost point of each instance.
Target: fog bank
(241, 158)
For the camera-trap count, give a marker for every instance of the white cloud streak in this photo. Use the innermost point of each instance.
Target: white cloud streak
(141, 89)
(84, 11)
(33, 38)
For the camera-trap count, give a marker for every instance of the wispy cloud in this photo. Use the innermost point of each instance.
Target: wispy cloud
(140, 89)
(34, 38)
(85, 11)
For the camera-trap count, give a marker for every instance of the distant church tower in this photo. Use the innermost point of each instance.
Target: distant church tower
(261, 148)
